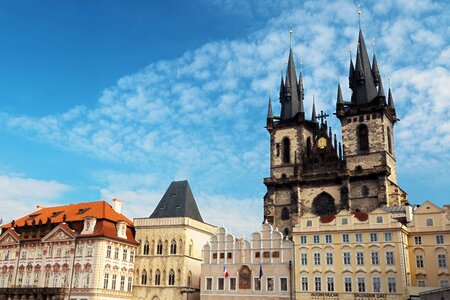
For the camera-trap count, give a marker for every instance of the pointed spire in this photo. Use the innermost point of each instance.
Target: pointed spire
(390, 98)
(381, 89)
(351, 72)
(313, 116)
(364, 89)
(339, 98)
(282, 87)
(269, 109)
(375, 71)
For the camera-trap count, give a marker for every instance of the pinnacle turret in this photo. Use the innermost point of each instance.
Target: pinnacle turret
(391, 99)
(375, 71)
(339, 98)
(381, 89)
(313, 116)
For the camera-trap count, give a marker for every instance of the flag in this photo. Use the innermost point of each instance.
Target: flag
(225, 272)
(260, 271)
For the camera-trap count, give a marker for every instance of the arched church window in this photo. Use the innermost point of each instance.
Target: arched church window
(285, 213)
(173, 247)
(146, 248)
(144, 278)
(363, 137)
(245, 276)
(171, 277)
(389, 140)
(324, 205)
(159, 247)
(286, 232)
(286, 150)
(157, 277)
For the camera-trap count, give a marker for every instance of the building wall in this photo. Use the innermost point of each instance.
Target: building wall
(189, 235)
(267, 250)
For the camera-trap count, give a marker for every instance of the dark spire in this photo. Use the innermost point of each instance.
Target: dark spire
(390, 98)
(269, 109)
(178, 201)
(363, 86)
(301, 91)
(375, 71)
(339, 98)
(351, 72)
(282, 87)
(313, 116)
(290, 102)
(381, 90)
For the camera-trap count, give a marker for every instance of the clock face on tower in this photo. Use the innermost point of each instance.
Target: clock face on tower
(321, 143)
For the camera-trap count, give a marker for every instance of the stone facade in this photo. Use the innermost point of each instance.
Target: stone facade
(259, 268)
(310, 172)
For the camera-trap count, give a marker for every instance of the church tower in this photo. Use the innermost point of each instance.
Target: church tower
(310, 172)
(367, 123)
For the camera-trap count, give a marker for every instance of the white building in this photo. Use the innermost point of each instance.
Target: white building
(77, 251)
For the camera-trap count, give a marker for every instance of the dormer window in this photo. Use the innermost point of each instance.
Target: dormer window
(121, 229)
(83, 210)
(89, 225)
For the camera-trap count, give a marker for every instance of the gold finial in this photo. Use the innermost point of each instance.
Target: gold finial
(373, 46)
(290, 37)
(359, 14)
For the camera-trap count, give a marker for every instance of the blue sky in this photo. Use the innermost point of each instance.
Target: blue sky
(118, 98)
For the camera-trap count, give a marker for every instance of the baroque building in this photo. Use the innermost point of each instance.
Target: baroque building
(238, 268)
(169, 258)
(310, 172)
(76, 251)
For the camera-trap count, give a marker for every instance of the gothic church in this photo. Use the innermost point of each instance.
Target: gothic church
(310, 171)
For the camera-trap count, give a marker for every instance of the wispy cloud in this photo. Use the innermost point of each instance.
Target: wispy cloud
(201, 116)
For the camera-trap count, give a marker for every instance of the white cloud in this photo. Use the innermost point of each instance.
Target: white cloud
(20, 195)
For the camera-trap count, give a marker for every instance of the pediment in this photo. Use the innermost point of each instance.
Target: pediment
(9, 237)
(428, 207)
(59, 233)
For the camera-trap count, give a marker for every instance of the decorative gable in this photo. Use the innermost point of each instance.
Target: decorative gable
(9, 237)
(121, 227)
(59, 233)
(89, 225)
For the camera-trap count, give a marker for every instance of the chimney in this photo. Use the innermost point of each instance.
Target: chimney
(117, 205)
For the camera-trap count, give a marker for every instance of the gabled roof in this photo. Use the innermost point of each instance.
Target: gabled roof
(178, 201)
(70, 213)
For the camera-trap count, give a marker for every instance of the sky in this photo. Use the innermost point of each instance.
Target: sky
(103, 99)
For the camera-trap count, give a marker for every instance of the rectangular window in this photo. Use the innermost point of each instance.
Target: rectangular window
(373, 237)
(361, 284)
(232, 283)
(360, 258)
(304, 284)
(220, 284)
(348, 284)
(125, 255)
(108, 251)
(209, 284)
(330, 284)
(316, 259)
(257, 254)
(304, 259)
(257, 283)
(270, 284)
(419, 261)
(344, 221)
(328, 239)
(421, 282)
(418, 240)
(130, 284)
(316, 239)
(379, 219)
(122, 283)
(358, 237)
(116, 253)
(317, 284)
(347, 260)
(303, 239)
(390, 258)
(345, 238)
(388, 236)
(392, 285)
(442, 261)
(329, 258)
(439, 239)
(131, 256)
(376, 283)
(113, 282)
(283, 284)
(374, 258)
(444, 283)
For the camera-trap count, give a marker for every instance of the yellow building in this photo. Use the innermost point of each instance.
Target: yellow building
(259, 268)
(169, 258)
(429, 245)
(351, 255)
